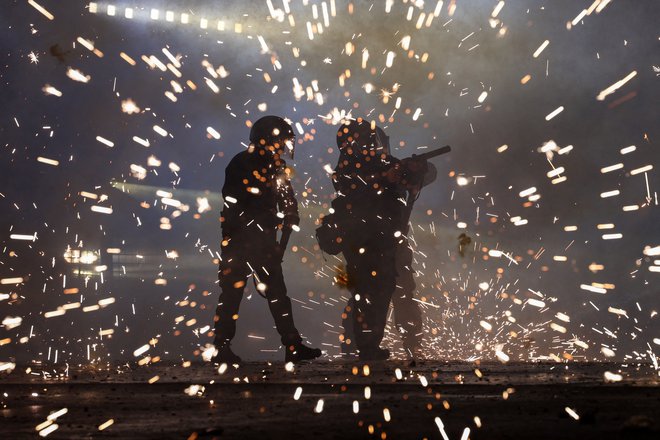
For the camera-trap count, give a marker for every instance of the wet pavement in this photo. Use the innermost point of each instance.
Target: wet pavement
(334, 400)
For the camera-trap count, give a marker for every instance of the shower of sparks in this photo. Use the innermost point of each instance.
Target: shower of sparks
(525, 249)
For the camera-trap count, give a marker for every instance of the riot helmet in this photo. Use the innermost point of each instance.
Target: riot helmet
(357, 133)
(273, 133)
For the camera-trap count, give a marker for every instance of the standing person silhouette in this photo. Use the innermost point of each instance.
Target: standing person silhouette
(258, 201)
(367, 181)
(407, 313)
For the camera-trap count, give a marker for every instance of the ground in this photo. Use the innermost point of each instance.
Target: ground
(258, 400)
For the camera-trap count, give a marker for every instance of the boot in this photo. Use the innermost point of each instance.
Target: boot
(378, 354)
(225, 355)
(299, 352)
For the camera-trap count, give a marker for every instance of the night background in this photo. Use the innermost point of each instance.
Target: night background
(115, 133)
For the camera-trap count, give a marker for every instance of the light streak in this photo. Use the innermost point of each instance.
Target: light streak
(438, 9)
(140, 351)
(24, 237)
(536, 303)
(56, 414)
(554, 113)
(441, 428)
(556, 172)
(593, 289)
(105, 141)
(54, 313)
(77, 75)
(497, 9)
(213, 132)
(43, 10)
(101, 209)
(610, 168)
(390, 59)
(139, 140)
(14, 280)
(48, 430)
(50, 90)
(640, 170)
(161, 131)
(572, 413)
(579, 17)
(614, 87)
(527, 192)
(541, 48)
(612, 193)
(106, 424)
(612, 377)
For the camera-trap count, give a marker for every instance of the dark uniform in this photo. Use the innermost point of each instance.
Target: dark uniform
(407, 313)
(258, 201)
(368, 212)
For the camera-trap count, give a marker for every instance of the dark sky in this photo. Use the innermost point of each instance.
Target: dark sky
(444, 73)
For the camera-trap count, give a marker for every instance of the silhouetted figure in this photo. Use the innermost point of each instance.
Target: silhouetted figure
(258, 201)
(367, 212)
(407, 313)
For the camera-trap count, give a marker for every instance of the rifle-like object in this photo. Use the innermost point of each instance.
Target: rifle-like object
(431, 154)
(417, 177)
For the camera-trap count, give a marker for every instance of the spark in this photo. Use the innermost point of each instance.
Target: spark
(541, 48)
(554, 113)
(616, 86)
(128, 106)
(572, 413)
(106, 424)
(43, 10)
(77, 75)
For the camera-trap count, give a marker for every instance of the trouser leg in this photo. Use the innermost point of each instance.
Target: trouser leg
(407, 313)
(348, 342)
(375, 282)
(278, 301)
(232, 275)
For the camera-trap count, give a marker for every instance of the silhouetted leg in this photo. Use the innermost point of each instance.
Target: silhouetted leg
(373, 292)
(407, 313)
(278, 300)
(348, 343)
(232, 274)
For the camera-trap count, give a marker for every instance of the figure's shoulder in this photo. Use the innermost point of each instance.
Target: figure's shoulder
(240, 160)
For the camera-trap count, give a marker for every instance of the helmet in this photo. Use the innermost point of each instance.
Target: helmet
(272, 131)
(357, 132)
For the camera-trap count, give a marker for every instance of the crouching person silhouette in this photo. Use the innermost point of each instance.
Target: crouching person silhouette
(258, 202)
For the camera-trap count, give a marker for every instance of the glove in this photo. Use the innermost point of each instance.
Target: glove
(291, 220)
